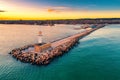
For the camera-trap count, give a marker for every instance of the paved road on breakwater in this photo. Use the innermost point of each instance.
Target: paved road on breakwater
(62, 41)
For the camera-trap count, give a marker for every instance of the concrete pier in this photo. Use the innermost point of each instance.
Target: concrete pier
(44, 53)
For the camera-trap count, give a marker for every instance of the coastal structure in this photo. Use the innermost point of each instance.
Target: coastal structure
(45, 52)
(40, 48)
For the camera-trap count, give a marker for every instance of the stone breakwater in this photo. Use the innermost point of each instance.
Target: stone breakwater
(42, 58)
(58, 48)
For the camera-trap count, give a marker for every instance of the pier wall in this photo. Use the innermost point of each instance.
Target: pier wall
(44, 56)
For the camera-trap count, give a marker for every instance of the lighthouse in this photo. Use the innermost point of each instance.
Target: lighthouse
(40, 37)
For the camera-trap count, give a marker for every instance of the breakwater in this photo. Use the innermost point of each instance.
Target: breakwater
(57, 48)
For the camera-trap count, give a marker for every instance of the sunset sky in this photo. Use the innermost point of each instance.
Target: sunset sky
(58, 9)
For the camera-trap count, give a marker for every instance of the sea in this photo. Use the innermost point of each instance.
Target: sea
(96, 57)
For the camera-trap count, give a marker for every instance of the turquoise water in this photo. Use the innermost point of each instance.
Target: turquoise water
(97, 57)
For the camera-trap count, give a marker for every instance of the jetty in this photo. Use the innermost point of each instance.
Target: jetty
(44, 53)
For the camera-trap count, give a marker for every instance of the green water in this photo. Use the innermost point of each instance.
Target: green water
(97, 57)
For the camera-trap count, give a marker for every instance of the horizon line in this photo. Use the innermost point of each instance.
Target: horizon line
(53, 19)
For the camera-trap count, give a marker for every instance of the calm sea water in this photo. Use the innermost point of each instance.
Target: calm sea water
(97, 57)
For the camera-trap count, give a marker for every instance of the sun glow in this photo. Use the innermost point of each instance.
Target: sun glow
(16, 11)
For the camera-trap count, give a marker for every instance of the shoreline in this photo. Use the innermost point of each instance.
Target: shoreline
(58, 48)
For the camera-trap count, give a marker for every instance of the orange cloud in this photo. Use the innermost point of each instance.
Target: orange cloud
(51, 10)
(65, 9)
(58, 9)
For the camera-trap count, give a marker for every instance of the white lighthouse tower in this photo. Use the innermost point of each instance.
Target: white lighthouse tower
(40, 37)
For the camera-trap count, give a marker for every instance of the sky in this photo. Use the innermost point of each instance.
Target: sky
(58, 9)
